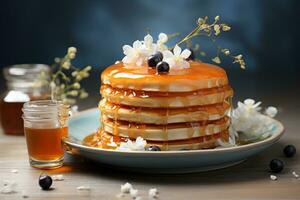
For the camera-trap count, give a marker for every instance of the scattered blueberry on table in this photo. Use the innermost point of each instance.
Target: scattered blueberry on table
(289, 151)
(276, 165)
(153, 148)
(45, 181)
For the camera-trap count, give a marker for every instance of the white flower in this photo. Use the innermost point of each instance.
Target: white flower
(9, 187)
(83, 187)
(15, 171)
(249, 105)
(58, 177)
(112, 143)
(138, 53)
(273, 177)
(134, 193)
(271, 111)
(178, 59)
(162, 39)
(138, 145)
(134, 54)
(126, 188)
(153, 193)
(248, 123)
(295, 174)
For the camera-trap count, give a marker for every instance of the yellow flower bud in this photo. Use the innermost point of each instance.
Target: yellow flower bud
(76, 85)
(72, 50)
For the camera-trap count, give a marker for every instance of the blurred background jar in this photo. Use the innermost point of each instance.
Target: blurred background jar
(25, 82)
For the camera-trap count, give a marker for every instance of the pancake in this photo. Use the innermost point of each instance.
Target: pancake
(163, 115)
(204, 142)
(182, 109)
(169, 100)
(198, 76)
(168, 132)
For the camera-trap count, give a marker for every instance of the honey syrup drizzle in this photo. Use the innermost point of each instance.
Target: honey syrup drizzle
(116, 76)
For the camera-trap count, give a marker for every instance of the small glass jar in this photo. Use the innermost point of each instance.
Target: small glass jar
(45, 125)
(24, 82)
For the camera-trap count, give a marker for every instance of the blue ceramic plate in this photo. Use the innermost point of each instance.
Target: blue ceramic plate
(87, 122)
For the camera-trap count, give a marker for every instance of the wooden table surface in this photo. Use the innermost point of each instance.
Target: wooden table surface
(249, 180)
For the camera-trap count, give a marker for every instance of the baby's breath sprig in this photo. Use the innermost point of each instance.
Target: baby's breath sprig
(211, 30)
(65, 80)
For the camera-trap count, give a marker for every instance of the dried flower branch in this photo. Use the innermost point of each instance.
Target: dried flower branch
(65, 80)
(211, 30)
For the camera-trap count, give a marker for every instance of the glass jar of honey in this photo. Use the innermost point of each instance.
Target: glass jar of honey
(24, 82)
(45, 125)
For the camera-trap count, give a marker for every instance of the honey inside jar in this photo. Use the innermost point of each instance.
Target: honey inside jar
(45, 143)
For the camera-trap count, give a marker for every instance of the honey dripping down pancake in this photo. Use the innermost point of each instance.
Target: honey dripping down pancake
(183, 109)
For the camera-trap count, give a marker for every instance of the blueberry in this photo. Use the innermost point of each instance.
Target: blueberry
(159, 55)
(154, 59)
(153, 148)
(276, 165)
(45, 181)
(289, 151)
(192, 56)
(162, 67)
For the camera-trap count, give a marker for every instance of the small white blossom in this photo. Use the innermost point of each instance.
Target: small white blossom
(178, 59)
(273, 177)
(58, 177)
(295, 174)
(249, 105)
(271, 111)
(134, 193)
(9, 187)
(134, 54)
(112, 143)
(126, 188)
(138, 53)
(138, 145)
(248, 123)
(24, 194)
(153, 193)
(83, 187)
(162, 39)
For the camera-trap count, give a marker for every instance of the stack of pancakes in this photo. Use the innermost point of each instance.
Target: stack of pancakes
(184, 109)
